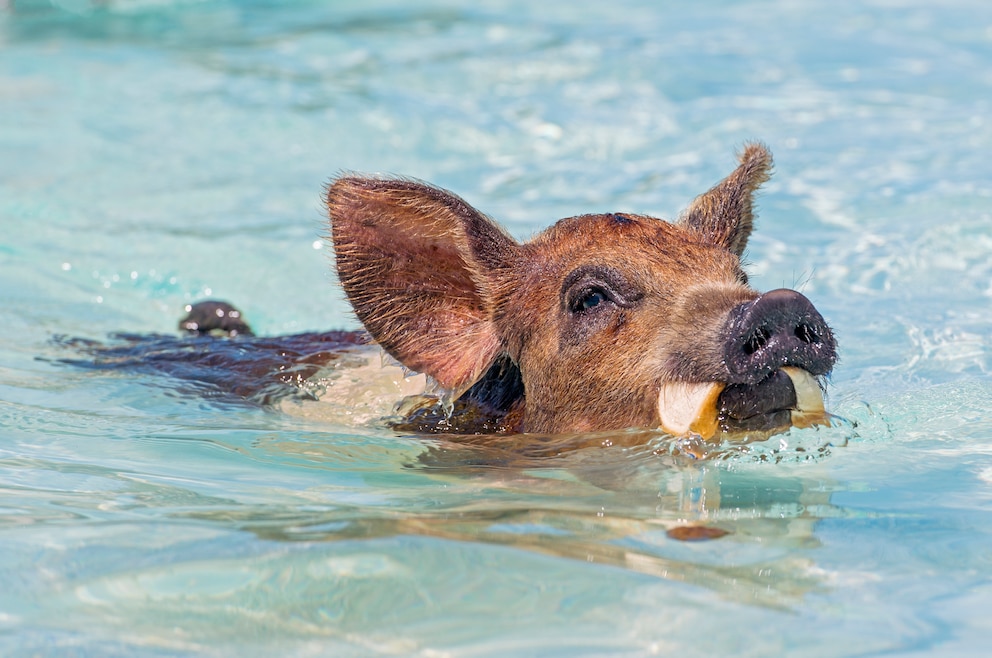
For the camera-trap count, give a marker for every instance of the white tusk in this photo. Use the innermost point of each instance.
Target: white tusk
(809, 400)
(685, 408)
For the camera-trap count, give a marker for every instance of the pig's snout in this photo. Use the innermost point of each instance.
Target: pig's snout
(779, 328)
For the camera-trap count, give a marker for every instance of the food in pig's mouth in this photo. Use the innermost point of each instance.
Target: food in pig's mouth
(789, 396)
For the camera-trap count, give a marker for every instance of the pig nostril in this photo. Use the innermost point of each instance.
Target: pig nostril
(807, 334)
(758, 339)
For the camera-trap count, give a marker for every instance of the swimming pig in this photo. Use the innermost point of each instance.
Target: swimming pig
(601, 322)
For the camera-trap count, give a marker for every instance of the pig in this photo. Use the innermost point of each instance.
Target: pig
(601, 322)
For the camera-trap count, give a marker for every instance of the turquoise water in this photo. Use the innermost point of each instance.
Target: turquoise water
(154, 153)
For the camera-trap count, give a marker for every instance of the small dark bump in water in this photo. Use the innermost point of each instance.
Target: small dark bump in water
(214, 317)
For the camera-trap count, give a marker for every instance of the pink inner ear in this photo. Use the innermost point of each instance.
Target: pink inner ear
(406, 261)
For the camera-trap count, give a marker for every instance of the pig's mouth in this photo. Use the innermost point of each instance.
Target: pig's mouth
(788, 397)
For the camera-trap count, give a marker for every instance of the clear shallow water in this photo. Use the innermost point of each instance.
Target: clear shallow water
(156, 153)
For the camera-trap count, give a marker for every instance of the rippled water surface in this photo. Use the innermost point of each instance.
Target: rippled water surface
(155, 153)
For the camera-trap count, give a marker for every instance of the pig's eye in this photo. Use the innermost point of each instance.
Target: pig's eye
(588, 298)
(591, 299)
(595, 288)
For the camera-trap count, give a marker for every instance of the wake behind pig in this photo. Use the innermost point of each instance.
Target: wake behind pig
(601, 322)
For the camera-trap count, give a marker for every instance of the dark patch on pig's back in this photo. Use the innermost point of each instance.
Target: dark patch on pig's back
(251, 369)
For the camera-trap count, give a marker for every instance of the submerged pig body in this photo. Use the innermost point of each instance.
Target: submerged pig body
(592, 324)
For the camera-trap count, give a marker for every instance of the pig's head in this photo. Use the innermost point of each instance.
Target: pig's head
(600, 322)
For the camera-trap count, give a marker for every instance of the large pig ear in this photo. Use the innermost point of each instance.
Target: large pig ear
(419, 266)
(725, 215)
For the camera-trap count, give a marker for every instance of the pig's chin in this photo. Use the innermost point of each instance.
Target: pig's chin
(788, 397)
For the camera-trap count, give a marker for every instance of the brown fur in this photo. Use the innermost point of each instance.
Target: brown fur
(447, 292)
